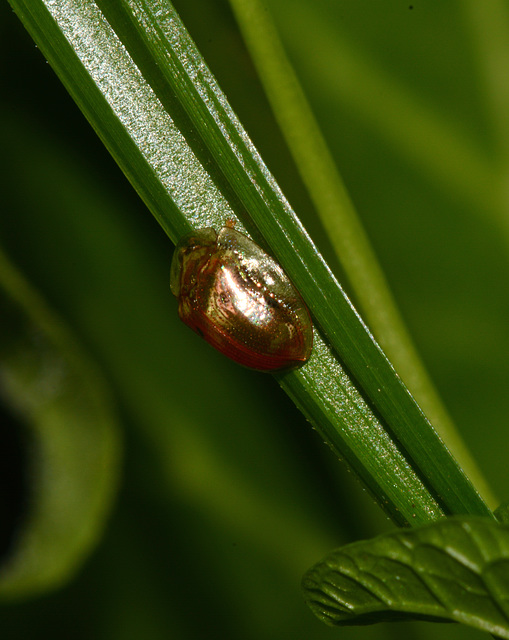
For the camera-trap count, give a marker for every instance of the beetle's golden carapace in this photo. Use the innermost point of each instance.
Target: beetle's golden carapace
(238, 298)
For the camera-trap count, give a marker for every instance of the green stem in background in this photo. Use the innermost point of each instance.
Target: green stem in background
(489, 25)
(437, 147)
(337, 213)
(135, 73)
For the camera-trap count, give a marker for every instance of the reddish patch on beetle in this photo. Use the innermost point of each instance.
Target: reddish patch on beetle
(240, 301)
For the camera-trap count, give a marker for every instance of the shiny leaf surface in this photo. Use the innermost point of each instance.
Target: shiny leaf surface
(453, 570)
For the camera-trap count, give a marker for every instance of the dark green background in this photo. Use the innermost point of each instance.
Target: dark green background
(227, 495)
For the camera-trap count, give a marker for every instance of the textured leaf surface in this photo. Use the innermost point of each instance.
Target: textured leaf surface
(456, 569)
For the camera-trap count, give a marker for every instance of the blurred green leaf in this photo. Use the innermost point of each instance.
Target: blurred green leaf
(455, 569)
(55, 393)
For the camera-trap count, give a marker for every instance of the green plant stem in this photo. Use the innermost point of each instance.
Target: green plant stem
(489, 25)
(345, 231)
(136, 74)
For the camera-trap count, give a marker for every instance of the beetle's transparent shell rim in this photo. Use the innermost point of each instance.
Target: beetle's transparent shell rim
(240, 300)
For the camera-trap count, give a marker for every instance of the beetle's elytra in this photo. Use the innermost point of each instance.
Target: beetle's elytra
(239, 299)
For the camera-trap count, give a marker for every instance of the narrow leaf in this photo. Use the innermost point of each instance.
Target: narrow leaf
(140, 80)
(329, 194)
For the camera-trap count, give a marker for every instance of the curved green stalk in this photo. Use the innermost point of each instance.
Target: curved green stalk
(337, 213)
(139, 79)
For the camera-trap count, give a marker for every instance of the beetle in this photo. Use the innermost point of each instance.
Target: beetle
(239, 299)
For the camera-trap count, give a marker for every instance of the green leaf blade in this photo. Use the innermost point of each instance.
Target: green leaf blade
(138, 77)
(452, 570)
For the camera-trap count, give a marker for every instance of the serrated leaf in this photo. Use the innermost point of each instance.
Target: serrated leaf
(456, 570)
